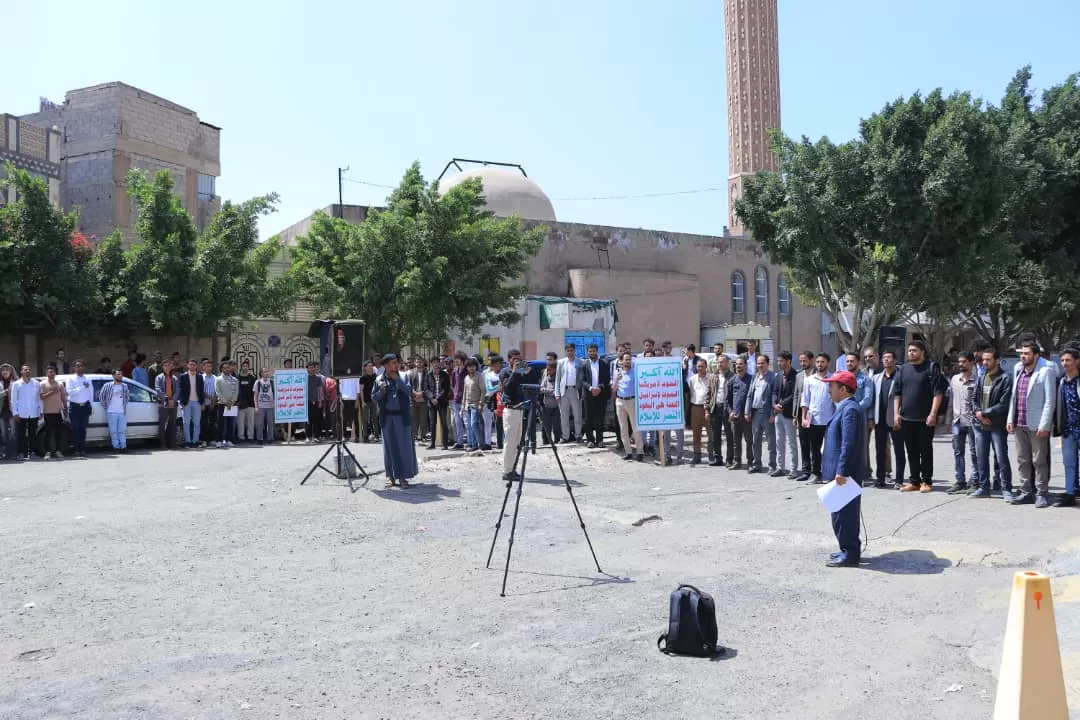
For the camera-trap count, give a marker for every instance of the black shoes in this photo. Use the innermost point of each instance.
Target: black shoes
(842, 559)
(1065, 500)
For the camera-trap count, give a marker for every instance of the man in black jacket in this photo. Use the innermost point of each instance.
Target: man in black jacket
(786, 432)
(436, 389)
(883, 423)
(191, 399)
(738, 387)
(992, 399)
(598, 382)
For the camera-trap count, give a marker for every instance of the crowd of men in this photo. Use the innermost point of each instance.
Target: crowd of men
(742, 411)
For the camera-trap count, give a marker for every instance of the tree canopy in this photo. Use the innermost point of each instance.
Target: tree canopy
(426, 267)
(943, 209)
(44, 262)
(172, 279)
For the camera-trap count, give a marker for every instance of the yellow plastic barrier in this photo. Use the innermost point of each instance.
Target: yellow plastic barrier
(1031, 685)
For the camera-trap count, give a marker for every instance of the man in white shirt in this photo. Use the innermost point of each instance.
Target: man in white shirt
(350, 391)
(80, 392)
(569, 381)
(817, 409)
(698, 387)
(26, 409)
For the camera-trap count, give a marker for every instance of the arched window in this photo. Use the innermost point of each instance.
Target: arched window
(738, 292)
(783, 295)
(761, 291)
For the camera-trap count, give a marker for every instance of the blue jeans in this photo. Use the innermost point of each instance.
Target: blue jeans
(475, 428)
(985, 439)
(80, 419)
(960, 436)
(460, 436)
(1070, 450)
(192, 419)
(8, 441)
(118, 430)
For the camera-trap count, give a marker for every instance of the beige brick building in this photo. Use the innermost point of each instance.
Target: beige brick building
(31, 148)
(107, 130)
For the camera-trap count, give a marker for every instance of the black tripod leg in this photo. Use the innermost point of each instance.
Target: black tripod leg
(577, 510)
(513, 523)
(529, 422)
(498, 523)
(506, 498)
(317, 465)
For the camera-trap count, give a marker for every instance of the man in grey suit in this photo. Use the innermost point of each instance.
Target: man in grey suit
(1031, 417)
(571, 384)
(760, 412)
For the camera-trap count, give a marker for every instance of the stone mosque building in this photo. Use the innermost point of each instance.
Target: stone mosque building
(611, 284)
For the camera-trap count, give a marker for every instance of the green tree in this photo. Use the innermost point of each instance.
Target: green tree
(47, 285)
(159, 287)
(233, 269)
(1031, 285)
(889, 225)
(175, 281)
(426, 267)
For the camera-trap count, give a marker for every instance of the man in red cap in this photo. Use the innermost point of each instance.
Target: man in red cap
(844, 460)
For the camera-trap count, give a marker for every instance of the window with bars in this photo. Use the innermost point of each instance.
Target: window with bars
(761, 291)
(738, 292)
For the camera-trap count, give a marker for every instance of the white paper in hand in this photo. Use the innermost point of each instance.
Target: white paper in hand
(835, 497)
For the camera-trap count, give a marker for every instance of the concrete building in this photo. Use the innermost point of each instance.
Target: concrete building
(752, 57)
(108, 130)
(665, 285)
(31, 148)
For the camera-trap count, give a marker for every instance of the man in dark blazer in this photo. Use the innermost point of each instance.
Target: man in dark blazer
(843, 460)
(760, 412)
(191, 402)
(435, 385)
(597, 377)
(738, 387)
(883, 415)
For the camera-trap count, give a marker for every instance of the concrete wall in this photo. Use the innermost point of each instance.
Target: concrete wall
(266, 343)
(654, 276)
(528, 336)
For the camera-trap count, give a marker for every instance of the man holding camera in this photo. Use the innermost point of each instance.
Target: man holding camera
(513, 414)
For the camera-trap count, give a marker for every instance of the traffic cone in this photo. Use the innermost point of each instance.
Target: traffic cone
(1031, 685)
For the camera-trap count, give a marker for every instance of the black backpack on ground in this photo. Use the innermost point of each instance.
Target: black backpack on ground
(691, 625)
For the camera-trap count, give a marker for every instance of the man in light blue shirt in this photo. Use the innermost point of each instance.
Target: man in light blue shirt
(817, 411)
(626, 406)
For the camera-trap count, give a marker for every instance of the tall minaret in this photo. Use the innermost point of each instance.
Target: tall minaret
(752, 52)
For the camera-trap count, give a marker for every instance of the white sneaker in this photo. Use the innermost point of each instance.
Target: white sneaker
(228, 443)
(220, 444)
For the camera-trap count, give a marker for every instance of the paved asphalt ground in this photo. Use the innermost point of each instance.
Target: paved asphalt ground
(210, 584)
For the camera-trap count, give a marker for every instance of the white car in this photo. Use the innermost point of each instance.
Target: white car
(142, 414)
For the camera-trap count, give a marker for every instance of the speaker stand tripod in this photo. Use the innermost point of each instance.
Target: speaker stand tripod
(522, 453)
(341, 446)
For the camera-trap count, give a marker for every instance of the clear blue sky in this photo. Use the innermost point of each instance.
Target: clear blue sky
(593, 97)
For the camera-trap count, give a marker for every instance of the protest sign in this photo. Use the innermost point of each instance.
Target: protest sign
(659, 390)
(290, 396)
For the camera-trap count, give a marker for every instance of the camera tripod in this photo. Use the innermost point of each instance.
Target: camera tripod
(341, 445)
(528, 431)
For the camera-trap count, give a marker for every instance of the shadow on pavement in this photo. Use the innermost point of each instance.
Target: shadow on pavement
(907, 562)
(417, 493)
(551, 481)
(603, 578)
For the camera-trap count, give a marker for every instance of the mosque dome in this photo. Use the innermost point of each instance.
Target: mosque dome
(506, 192)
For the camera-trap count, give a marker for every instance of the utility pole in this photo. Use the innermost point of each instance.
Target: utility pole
(341, 191)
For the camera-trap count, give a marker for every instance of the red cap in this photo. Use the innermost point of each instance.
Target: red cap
(844, 378)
